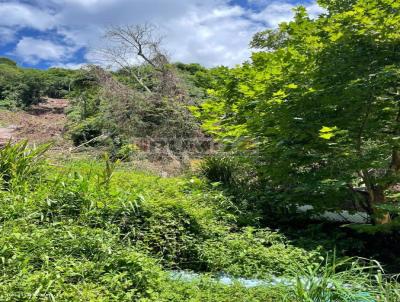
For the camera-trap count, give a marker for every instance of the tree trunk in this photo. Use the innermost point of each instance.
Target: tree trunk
(377, 197)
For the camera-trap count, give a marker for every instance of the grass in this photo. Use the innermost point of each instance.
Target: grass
(85, 230)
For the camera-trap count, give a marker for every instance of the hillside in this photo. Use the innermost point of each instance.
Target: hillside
(140, 178)
(39, 124)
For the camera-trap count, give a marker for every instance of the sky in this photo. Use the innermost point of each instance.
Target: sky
(67, 33)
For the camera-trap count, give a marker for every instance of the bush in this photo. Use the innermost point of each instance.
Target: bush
(21, 88)
(71, 263)
(7, 61)
(8, 77)
(219, 168)
(86, 131)
(91, 233)
(21, 167)
(126, 152)
(254, 253)
(58, 82)
(350, 280)
(69, 199)
(121, 148)
(7, 104)
(166, 230)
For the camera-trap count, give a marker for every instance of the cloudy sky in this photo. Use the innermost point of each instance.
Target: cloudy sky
(45, 33)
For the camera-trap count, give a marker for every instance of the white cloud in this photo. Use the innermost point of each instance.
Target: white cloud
(274, 14)
(68, 65)
(219, 36)
(277, 12)
(7, 35)
(34, 50)
(210, 32)
(22, 15)
(314, 10)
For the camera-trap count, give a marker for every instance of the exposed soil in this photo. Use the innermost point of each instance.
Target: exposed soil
(6, 134)
(41, 123)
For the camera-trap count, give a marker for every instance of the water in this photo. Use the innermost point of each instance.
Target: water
(224, 279)
(227, 280)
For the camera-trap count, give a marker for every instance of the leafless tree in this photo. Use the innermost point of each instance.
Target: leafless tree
(142, 40)
(158, 110)
(131, 45)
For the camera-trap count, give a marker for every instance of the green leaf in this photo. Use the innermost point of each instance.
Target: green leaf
(326, 135)
(325, 129)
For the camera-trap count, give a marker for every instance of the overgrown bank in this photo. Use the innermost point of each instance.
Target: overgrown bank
(312, 120)
(89, 231)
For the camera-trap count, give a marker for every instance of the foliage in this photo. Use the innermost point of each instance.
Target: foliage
(59, 82)
(123, 111)
(254, 253)
(94, 232)
(28, 91)
(312, 117)
(86, 131)
(341, 281)
(326, 95)
(69, 262)
(8, 76)
(7, 61)
(22, 87)
(219, 168)
(125, 152)
(20, 166)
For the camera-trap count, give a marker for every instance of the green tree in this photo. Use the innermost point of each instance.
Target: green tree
(58, 82)
(7, 61)
(319, 103)
(20, 87)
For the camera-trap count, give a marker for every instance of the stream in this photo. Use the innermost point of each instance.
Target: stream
(188, 276)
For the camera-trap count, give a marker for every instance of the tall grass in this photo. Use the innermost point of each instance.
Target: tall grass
(21, 166)
(219, 168)
(339, 280)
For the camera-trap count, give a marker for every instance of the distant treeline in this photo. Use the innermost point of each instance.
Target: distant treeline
(22, 87)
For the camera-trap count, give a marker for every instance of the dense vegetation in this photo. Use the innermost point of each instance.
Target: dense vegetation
(115, 105)
(311, 120)
(20, 87)
(88, 231)
(326, 94)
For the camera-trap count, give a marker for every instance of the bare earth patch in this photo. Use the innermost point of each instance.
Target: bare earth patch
(42, 123)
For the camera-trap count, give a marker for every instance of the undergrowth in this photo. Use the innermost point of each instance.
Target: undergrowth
(93, 231)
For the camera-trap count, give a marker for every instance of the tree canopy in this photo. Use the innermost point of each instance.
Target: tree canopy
(319, 102)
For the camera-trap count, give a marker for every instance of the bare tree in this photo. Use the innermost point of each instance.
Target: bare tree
(132, 45)
(142, 40)
(159, 109)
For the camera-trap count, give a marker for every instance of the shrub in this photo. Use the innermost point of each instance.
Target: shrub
(7, 61)
(167, 231)
(7, 104)
(21, 87)
(219, 168)
(68, 199)
(350, 280)
(254, 253)
(107, 235)
(69, 263)
(21, 166)
(58, 82)
(126, 152)
(85, 131)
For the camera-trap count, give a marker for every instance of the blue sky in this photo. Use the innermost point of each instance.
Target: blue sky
(46, 33)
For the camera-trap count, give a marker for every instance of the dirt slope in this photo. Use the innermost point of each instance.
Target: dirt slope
(6, 134)
(42, 123)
